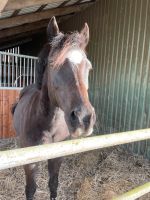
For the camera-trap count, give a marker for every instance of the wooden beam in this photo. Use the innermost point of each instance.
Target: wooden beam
(37, 16)
(78, 2)
(27, 28)
(24, 35)
(63, 3)
(12, 39)
(6, 5)
(14, 44)
(23, 28)
(65, 17)
(41, 7)
(15, 13)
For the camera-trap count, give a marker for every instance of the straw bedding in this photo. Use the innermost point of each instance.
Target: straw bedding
(96, 175)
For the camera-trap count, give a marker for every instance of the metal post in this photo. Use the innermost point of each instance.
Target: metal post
(0, 69)
(24, 71)
(31, 69)
(13, 71)
(8, 85)
(20, 74)
(34, 69)
(27, 71)
(5, 70)
(16, 79)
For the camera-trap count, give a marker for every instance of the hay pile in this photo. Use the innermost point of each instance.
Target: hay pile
(97, 175)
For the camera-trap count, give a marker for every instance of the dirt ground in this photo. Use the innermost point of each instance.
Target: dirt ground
(96, 175)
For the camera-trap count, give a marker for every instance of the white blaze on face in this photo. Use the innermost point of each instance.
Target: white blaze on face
(75, 56)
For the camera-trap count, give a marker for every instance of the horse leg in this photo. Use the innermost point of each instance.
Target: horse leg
(30, 172)
(53, 168)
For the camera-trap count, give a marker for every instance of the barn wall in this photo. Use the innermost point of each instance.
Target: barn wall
(7, 99)
(120, 52)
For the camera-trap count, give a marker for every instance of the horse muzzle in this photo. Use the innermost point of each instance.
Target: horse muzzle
(82, 122)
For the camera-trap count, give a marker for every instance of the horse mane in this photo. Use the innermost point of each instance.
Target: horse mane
(13, 107)
(41, 65)
(53, 53)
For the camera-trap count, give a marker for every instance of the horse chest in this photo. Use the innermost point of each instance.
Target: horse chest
(58, 131)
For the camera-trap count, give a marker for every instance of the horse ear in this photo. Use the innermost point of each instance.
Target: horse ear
(84, 36)
(52, 29)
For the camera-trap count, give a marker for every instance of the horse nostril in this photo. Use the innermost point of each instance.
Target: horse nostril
(73, 116)
(87, 120)
(81, 118)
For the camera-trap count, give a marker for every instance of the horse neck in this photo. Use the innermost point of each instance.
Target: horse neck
(47, 105)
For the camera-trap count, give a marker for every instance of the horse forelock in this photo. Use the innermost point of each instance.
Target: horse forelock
(61, 45)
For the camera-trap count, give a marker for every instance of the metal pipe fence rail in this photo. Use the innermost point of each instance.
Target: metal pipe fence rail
(16, 71)
(22, 156)
(135, 193)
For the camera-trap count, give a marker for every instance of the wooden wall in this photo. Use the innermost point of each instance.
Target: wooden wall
(7, 98)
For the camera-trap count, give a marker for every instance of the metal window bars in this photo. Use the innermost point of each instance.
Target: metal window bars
(16, 71)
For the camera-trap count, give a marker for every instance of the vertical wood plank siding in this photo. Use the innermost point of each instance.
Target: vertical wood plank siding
(7, 99)
(120, 53)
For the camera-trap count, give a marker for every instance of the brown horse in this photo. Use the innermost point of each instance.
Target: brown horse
(57, 105)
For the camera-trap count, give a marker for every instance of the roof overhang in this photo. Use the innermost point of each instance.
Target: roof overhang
(19, 19)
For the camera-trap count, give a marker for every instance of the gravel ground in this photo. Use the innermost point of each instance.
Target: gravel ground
(96, 175)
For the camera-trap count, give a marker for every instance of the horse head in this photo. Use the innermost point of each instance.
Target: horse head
(67, 77)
